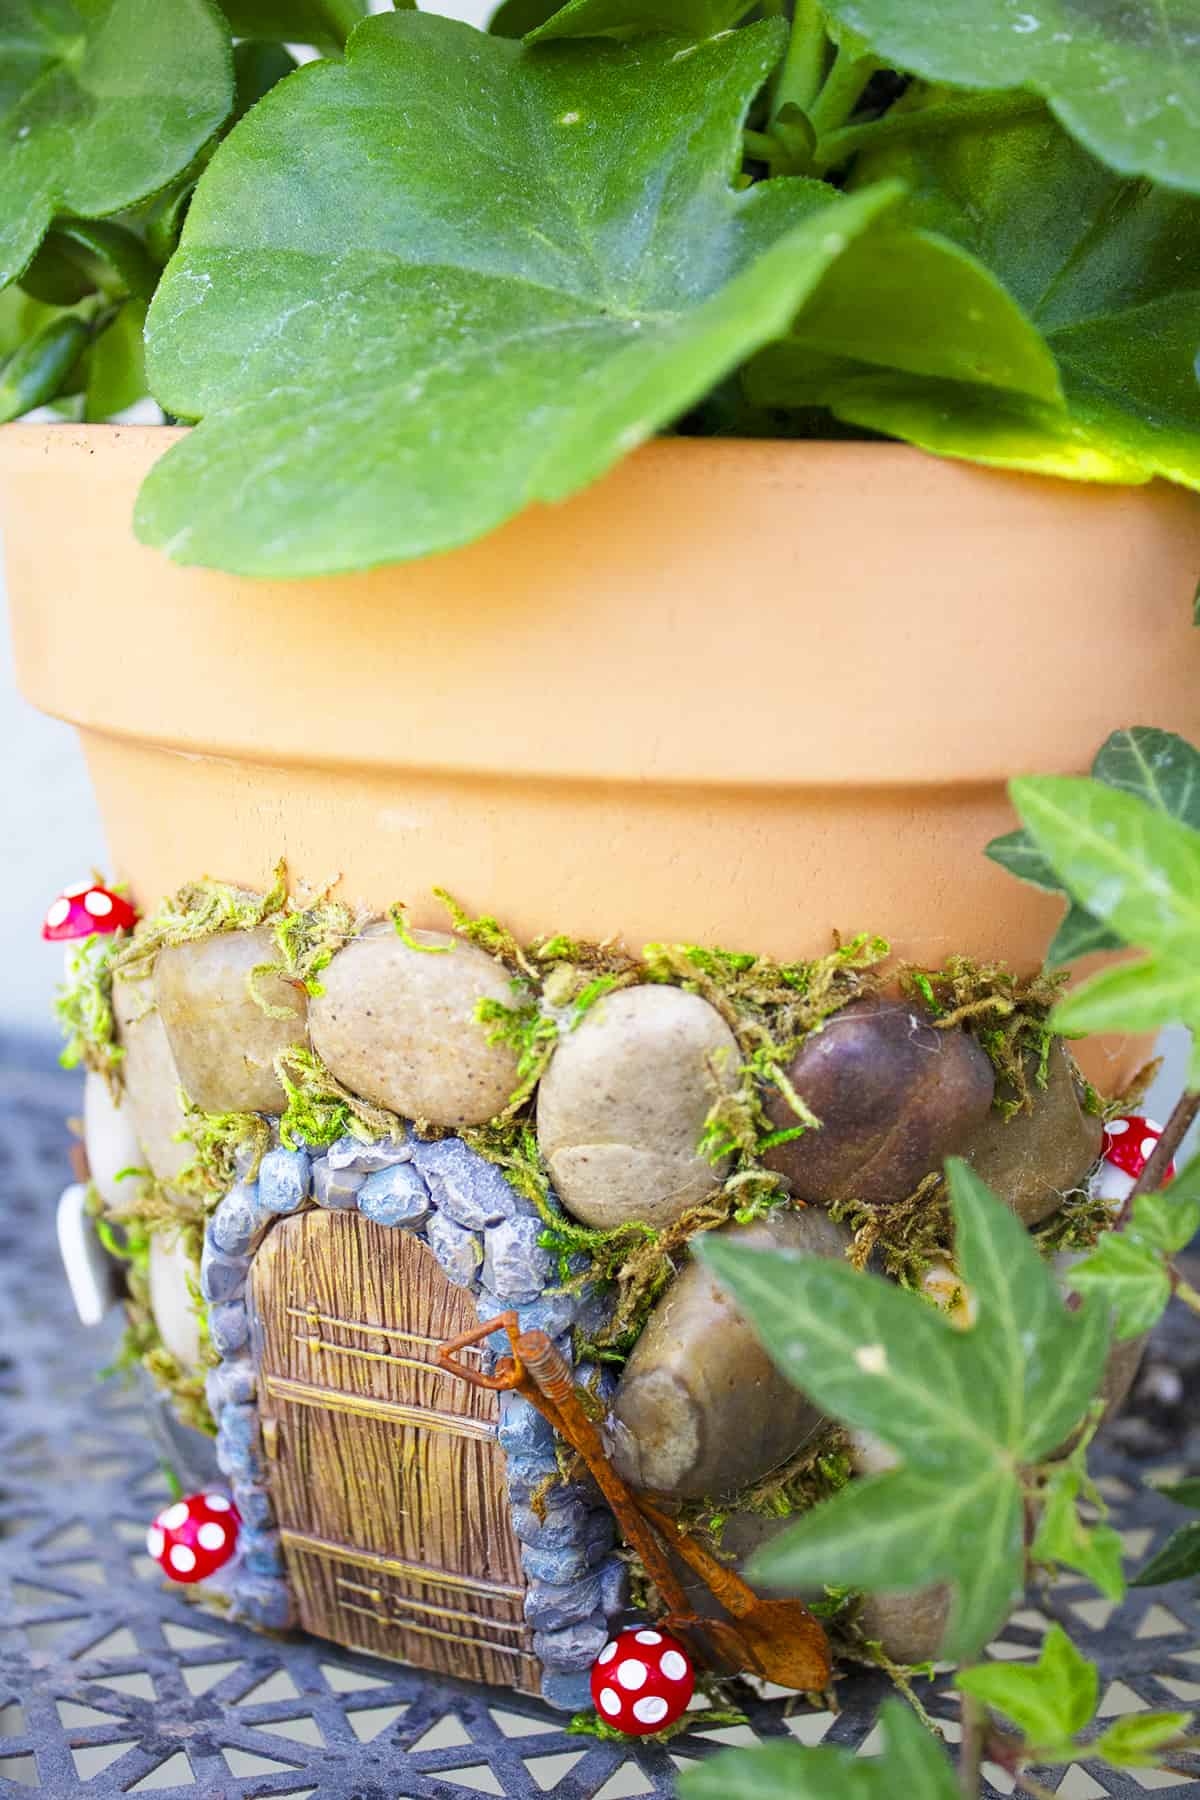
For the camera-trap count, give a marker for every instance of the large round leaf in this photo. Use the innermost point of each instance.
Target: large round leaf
(101, 103)
(1122, 75)
(421, 288)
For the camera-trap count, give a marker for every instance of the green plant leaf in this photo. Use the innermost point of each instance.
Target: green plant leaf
(1178, 1558)
(1135, 1741)
(1132, 997)
(912, 1764)
(101, 104)
(1128, 1276)
(1049, 1701)
(463, 322)
(1062, 1537)
(1184, 1493)
(114, 366)
(963, 1409)
(1131, 866)
(1167, 1221)
(618, 18)
(1162, 769)
(910, 301)
(1108, 270)
(515, 17)
(1124, 80)
(326, 24)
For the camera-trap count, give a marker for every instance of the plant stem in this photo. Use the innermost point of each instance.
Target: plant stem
(1174, 1132)
(970, 1756)
(841, 92)
(343, 16)
(977, 110)
(1183, 1290)
(803, 69)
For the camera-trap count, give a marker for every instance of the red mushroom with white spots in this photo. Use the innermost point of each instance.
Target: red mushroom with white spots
(193, 1538)
(1128, 1145)
(87, 910)
(642, 1681)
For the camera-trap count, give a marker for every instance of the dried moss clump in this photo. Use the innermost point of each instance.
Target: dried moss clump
(199, 909)
(142, 1345)
(1006, 1014)
(83, 1008)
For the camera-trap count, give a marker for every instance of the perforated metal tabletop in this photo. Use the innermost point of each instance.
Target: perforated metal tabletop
(113, 1684)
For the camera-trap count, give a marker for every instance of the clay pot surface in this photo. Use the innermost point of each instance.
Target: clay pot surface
(735, 693)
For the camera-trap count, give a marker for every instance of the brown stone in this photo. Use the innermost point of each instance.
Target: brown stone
(894, 1097)
(701, 1409)
(399, 1026)
(908, 1626)
(622, 1106)
(1034, 1159)
(151, 1080)
(223, 1042)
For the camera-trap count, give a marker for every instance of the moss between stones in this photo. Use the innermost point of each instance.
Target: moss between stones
(319, 1109)
(820, 1469)
(1005, 1013)
(142, 1345)
(83, 1008)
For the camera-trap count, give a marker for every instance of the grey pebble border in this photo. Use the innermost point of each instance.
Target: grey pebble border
(485, 1237)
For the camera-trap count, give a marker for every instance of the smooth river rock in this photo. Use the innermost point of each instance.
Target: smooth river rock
(1033, 1160)
(110, 1139)
(172, 1301)
(399, 1026)
(894, 1098)
(701, 1409)
(623, 1103)
(151, 1080)
(223, 1042)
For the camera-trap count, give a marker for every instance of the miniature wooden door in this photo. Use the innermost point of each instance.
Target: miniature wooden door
(387, 1480)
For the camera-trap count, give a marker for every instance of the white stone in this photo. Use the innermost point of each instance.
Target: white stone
(91, 1273)
(172, 1301)
(150, 1078)
(110, 1140)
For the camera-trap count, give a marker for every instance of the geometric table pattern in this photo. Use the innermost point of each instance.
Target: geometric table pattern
(112, 1683)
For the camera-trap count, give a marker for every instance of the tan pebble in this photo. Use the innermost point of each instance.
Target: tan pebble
(151, 1080)
(1032, 1160)
(223, 1042)
(172, 1274)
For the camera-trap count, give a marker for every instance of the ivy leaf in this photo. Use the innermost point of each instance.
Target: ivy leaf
(1048, 1702)
(1127, 1275)
(1132, 867)
(964, 1410)
(463, 321)
(1166, 1221)
(100, 105)
(913, 1763)
(1162, 769)
(1184, 1493)
(1062, 1537)
(1134, 1742)
(1124, 80)
(616, 18)
(1178, 1558)
(1108, 270)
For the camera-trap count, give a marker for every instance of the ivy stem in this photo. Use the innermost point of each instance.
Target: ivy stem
(1174, 1132)
(803, 68)
(979, 110)
(974, 1736)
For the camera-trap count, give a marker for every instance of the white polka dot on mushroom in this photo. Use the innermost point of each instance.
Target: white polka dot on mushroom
(174, 1517)
(1115, 1127)
(98, 904)
(648, 1637)
(632, 1674)
(608, 1652)
(673, 1666)
(610, 1702)
(154, 1542)
(1148, 1147)
(651, 1709)
(211, 1536)
(182, 1558)
(216, 1503)
(58, 913)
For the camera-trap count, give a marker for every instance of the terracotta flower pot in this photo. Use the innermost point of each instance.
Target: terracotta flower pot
(737, 693)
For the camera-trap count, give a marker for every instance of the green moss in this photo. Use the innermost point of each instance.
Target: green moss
(219, 1140)
(1006, 1014)
(817, 1471)
(307, 938)
(83, 1008)
(129, 1237)
(1079, 1223)
(200, 909)
(319, 1109)
(905, 1236)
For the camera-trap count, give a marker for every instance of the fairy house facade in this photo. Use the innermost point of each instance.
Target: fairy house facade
(359, 1142)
